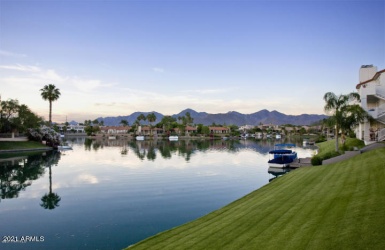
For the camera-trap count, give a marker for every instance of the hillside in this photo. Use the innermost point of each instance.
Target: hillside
(229, 118)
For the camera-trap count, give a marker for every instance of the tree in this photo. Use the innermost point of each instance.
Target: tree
(167, 123)
(26, 119)
(17, 117)
(50, 93)
(141, 117)
(151, 118)
(87, 122)
(188, 120)
(343, 115)
(9, 110)
(50, 200)
(91, 130)
(124, 123)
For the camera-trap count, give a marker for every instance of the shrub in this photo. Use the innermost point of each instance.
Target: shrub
(44, 133)
(316, 160)
(321, 138)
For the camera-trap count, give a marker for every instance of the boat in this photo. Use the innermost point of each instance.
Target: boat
(282, 156)
(139, 137)
(307, 142)
(245, 136)
(64, 147)
(173, 138)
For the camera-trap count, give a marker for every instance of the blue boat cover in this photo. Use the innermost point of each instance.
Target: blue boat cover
(281, 151)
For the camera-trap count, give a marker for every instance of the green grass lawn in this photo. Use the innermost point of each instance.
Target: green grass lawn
(328, 147)
(336, 206)
(17, 145)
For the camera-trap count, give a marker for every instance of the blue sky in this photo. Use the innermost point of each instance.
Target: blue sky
(117, 57)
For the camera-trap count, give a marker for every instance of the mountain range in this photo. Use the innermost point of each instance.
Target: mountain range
(230, 118)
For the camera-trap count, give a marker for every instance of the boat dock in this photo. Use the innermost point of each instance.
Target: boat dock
(301, 162)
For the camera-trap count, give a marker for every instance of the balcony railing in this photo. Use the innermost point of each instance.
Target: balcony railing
(377, 112)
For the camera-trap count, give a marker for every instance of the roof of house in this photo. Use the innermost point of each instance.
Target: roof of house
(374, 78)
(218, 128)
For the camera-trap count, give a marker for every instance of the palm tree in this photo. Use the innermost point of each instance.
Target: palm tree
(141, 117)
(124, 123)
(151, 118)
(50, 93)
(341, 111)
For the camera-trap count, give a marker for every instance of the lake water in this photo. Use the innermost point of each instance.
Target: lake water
(111, 194)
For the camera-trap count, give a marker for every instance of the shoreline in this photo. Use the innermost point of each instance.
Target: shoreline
(25, 150)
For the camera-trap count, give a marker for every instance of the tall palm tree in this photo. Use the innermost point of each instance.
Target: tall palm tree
(151, 118)
(339, 107)
(50, 93)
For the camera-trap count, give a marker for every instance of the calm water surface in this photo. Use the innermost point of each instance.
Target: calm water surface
(111, 194)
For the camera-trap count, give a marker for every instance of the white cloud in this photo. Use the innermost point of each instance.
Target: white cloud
(19, 67)
(11, 54)
(87, 178)
(86, 98)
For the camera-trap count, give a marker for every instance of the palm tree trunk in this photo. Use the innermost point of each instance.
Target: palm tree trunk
(336, 138)
(50, 180)
(50, 113)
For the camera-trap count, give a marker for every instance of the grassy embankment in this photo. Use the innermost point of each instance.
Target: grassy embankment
(328, 147)
(336, 206)
(20, 145)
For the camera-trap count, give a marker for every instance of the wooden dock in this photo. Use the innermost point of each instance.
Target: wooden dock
(301, 162)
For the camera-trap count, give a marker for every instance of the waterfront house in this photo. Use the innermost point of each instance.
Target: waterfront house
(115, 129)
(372, 92)
(219, 130)
(147, 130)
(76, 128)
(188, 130)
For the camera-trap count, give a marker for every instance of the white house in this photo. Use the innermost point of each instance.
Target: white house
(372, 92)
(71, 127)
(115, 129)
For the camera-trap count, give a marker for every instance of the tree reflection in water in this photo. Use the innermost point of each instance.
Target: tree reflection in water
(17, 172)
(148, 149)
(51, 200)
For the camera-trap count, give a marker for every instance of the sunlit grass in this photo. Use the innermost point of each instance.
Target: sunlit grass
(336, 206)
